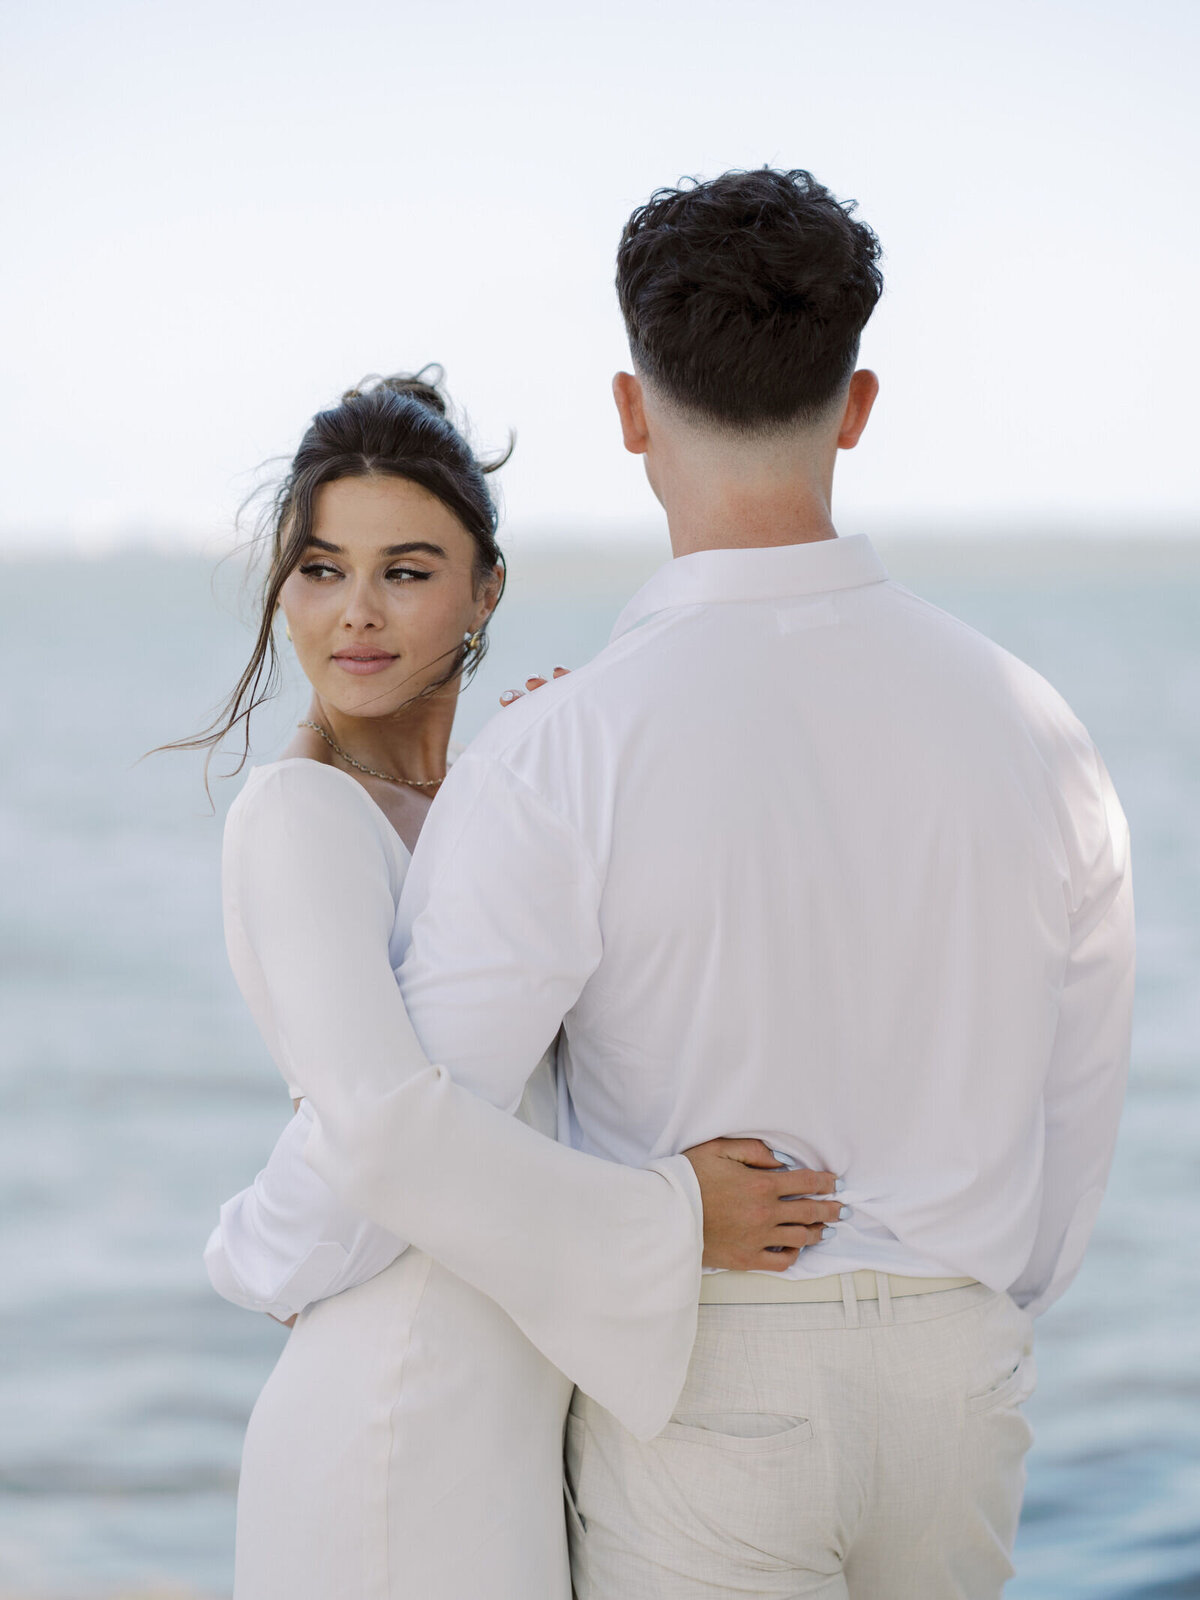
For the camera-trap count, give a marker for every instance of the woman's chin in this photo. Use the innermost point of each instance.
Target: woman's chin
(343, 694)
(370, 702)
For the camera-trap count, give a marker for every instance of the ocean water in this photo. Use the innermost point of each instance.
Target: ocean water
(135, 1096)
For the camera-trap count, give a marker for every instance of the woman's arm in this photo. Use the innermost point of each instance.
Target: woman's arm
(288, 1241)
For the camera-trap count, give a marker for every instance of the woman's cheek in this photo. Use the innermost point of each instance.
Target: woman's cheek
(436, 624)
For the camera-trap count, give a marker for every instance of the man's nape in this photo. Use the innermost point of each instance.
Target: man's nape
(725, 488)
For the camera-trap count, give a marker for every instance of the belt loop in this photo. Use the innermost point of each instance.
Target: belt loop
(849, 1299)
(883, 1288)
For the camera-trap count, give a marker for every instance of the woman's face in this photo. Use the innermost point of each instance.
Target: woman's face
(383, 594)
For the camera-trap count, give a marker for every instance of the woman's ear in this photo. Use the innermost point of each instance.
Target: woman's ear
(489, 594)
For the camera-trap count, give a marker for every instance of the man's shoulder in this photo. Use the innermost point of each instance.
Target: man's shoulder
(974, 666)
(583, 701)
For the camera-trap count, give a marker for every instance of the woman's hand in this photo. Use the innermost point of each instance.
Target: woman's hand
(758, 1215)
(510, 695)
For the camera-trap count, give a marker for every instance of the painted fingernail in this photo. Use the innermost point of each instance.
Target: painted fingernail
(828, 1233)
(508, 697)
(838, 1186)
(845, 1212)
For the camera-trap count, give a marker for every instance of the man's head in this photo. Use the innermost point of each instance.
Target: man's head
(744, 298)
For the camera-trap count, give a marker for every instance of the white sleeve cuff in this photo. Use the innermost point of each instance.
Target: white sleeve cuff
(315, 1277)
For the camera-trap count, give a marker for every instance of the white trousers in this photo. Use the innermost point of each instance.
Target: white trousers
(864, 1449)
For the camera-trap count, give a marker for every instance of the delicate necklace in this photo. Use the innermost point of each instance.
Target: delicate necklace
(388, 777)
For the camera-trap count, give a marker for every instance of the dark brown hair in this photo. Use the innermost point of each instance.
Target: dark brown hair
(744, 297)
(398, 426)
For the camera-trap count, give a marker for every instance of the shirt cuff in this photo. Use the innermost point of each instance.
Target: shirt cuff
(311, 1280)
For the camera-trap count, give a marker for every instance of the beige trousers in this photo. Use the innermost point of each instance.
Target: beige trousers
(870, 1449)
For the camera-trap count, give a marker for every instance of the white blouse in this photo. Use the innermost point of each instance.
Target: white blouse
(597, 1263)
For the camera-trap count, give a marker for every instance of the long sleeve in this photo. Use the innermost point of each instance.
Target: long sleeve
(598, 1264)
(1085, 1085)
(288, 1240)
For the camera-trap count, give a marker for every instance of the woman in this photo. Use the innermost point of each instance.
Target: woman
(408, 1442)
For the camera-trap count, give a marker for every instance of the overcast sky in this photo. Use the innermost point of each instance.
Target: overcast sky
(219, 216)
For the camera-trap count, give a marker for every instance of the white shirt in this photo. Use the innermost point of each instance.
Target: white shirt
(798, 856)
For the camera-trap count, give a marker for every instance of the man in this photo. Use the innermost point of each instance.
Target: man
(801, 857)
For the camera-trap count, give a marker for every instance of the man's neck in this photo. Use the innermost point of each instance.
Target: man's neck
(749, 489)
(724, 492)
(736, 517)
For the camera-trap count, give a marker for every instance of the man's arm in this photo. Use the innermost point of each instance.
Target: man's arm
(1085, 1086)
(502, 904)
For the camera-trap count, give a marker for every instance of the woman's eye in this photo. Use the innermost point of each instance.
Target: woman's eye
(323, 571)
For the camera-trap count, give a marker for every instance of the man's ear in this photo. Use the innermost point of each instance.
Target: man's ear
(864, 386)
(627, 392)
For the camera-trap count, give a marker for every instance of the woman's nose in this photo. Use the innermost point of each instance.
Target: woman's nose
(364, 607)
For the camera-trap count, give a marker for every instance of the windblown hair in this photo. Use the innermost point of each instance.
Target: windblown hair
(744, 297)
(397, 426)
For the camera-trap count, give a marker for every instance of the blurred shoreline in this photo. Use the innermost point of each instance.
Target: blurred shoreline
(619, 559)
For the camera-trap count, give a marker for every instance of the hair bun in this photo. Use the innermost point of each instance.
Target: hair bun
(423, 386)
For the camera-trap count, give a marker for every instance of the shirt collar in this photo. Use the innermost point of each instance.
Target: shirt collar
(709, 577)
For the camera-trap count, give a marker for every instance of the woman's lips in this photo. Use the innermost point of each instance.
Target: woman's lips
(363, 663)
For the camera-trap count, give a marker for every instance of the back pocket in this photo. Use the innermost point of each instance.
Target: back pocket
(740, 1432)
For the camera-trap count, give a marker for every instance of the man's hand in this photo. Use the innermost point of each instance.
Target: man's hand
(757, 1214)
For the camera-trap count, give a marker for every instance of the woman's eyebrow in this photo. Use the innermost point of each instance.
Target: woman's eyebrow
(414, 547)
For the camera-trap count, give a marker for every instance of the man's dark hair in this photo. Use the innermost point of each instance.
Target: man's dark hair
(744, 297)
